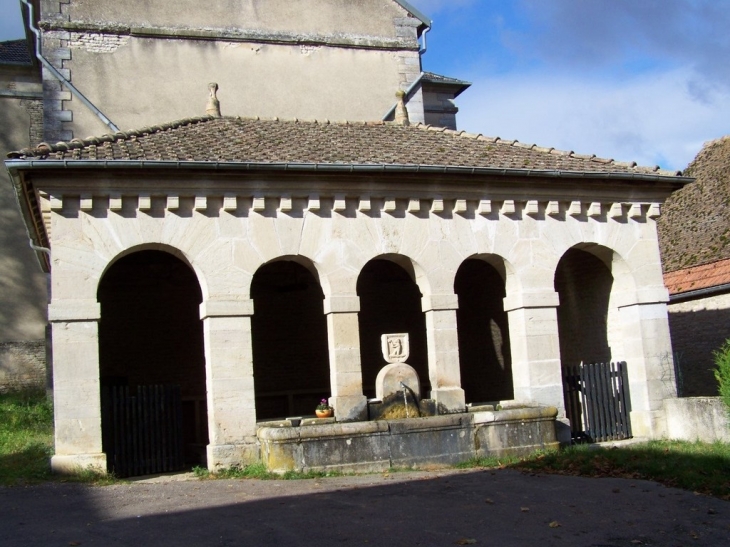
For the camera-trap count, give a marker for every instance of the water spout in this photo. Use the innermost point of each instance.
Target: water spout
(405, 398)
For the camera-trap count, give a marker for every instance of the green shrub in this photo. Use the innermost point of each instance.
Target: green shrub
(722, 372)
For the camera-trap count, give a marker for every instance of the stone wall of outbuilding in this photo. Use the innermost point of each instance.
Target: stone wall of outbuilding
(22, 366)
(698, 328)
(23, 296)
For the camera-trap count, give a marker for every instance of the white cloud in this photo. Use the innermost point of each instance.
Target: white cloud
(650, 119)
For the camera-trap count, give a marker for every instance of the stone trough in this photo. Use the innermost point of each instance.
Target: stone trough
(405, 430)
(425, 442)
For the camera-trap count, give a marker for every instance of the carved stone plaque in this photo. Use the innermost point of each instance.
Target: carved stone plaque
(395, 347)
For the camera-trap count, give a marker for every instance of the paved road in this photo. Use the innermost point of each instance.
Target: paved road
(485, 508)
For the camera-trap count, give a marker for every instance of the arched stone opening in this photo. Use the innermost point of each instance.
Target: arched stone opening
(390, 302)
(484, 346)
(289, 333)
(150, 333)
(584, 283)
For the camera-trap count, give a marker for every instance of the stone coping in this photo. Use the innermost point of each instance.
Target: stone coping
(313, 428)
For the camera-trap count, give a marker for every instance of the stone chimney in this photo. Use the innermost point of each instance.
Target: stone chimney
(401, 112)
(213, 108)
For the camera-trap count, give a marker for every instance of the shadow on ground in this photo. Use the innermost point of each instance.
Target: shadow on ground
(500, 508)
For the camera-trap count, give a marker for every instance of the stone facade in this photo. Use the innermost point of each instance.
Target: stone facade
(313, 59)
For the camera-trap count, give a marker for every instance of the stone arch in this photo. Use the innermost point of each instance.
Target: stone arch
(483, 329)
(390, 288)
(162, 247)
(591, 280)
(289, 338)
(150, 333)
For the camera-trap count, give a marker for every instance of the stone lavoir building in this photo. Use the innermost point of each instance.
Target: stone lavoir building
(256, 263)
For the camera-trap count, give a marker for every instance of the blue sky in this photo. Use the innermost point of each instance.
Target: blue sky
(635, 80)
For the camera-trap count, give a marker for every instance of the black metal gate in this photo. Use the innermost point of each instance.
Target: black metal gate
(142, 433)
(597, 401)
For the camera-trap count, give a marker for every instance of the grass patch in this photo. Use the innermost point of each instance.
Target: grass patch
(259, 471)
(92, 476)
(26, 437)
(26, 443)
(699, 467)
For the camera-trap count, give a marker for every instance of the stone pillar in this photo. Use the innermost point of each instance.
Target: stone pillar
(535, 342)
(76, 386)
(230, 383)
(647, 350)
(343, 337)
(443, 352)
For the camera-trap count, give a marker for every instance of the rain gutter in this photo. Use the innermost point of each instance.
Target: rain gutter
(699, 293)
(56, 74)
(15, 165)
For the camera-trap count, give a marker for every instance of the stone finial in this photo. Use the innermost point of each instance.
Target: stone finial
(401, 112)
(213, 108)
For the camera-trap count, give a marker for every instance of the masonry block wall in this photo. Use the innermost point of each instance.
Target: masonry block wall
(698, 328)
(143, 63)
(22, 366)
(23, 296)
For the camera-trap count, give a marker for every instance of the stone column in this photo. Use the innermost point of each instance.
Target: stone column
(647, 350)
(443, 352)
(343, 337)
(76, 386)
(230, 383)
(535, 342)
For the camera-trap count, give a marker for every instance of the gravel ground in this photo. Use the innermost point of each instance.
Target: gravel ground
(498, 508)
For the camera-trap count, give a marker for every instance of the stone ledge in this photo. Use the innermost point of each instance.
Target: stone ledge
(226, 308)
(326, 204)
(439, 302)
(74, 310)
(342, 304)
(526, 299)
(226, 35)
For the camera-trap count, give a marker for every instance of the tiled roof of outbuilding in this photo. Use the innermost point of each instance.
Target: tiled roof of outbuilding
(694, 227)
(14, 52)
(698, 277)
(256, 140)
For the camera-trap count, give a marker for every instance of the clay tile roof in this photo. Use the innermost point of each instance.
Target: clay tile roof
(14, 52)
(695, 224)
(698, 277)
(253, 140)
